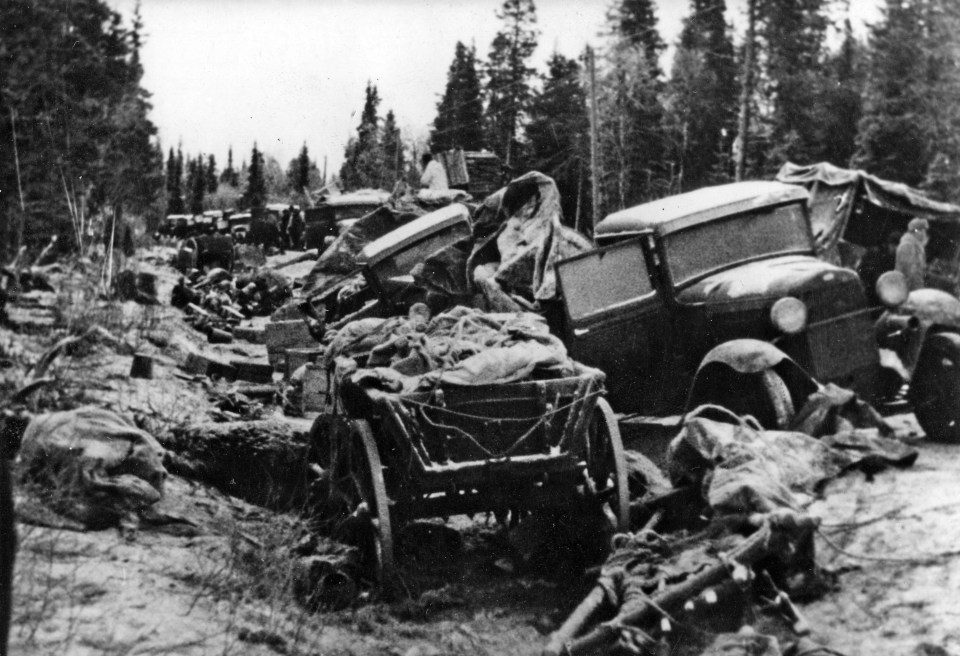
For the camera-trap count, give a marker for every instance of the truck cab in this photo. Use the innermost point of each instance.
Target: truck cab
(732, 268)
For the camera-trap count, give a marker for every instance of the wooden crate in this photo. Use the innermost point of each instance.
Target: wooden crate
(283, 335)
(297, 357)
(315, 388)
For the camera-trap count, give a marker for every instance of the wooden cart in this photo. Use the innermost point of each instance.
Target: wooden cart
(507, 448)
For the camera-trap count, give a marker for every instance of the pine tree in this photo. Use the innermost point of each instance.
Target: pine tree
(255, 195)
(701, 96)
(509, 76)
(558, 136)
(459, 122)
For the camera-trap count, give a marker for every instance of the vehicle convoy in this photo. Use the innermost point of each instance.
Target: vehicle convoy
(714, 296)
(717, 295)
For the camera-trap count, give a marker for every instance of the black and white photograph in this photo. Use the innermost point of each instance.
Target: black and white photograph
(479, 327)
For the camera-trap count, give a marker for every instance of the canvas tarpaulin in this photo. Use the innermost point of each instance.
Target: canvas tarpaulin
(518, 236)
(96, 465)
(463, 346)
(745, 469)
(835, 193)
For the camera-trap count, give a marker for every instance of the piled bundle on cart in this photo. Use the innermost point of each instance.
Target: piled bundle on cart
(217, 301)
(462, 346)
(707, 592)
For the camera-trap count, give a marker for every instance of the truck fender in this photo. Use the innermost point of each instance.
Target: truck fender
(748, 357)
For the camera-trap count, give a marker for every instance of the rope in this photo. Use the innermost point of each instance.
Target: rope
(468, 415)
(919, 560)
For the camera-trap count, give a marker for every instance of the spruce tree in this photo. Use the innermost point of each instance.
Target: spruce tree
(392, 149)
(210, 172)
(363, 157)
(701, 96)
(840, 107)
(229, 175)
(196, 184)
(175, 203)
(298, 171)
(76, 134)
(509, 75)
(792, 35)
(910, 121)
(459, 122)
(630, 110)
(255, 195)
(558, 136)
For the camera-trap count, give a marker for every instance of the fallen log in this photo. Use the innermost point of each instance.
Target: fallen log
(264, 462)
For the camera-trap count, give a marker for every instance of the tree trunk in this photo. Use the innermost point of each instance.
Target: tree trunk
(746, 93)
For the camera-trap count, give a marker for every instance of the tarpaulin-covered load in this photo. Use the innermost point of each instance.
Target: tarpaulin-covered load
(855, 207)
(517, 238)
(341, 259)
(463, 346)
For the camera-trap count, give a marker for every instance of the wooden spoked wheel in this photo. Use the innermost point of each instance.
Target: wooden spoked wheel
(607, 465)
(357, 508)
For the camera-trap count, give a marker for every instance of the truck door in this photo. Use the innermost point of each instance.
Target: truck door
(614, 320)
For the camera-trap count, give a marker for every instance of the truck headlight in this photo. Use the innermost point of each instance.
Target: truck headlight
(892, 289)
(789, 315)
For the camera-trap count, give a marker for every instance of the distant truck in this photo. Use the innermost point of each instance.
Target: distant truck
(335, 214)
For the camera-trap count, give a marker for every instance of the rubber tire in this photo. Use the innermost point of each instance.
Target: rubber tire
(935, 388)
(778, 398)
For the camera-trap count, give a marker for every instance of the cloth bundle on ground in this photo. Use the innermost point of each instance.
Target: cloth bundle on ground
(95, 465)
(744, 469)
(463, 346)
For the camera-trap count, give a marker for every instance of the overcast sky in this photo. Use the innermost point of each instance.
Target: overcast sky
(285, 72)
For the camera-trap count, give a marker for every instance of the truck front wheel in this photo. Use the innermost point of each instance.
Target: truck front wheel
(935, 388)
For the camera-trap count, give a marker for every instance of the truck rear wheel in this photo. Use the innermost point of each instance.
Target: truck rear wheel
(935, 388)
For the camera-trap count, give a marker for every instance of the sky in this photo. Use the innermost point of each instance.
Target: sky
(287, 72)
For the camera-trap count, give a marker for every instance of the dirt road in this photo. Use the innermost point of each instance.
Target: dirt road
(899, 571)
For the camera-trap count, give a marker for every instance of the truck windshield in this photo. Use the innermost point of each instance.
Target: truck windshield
(719, 244)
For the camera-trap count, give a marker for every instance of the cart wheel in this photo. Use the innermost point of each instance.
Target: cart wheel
(606, 463)
(358, 509)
